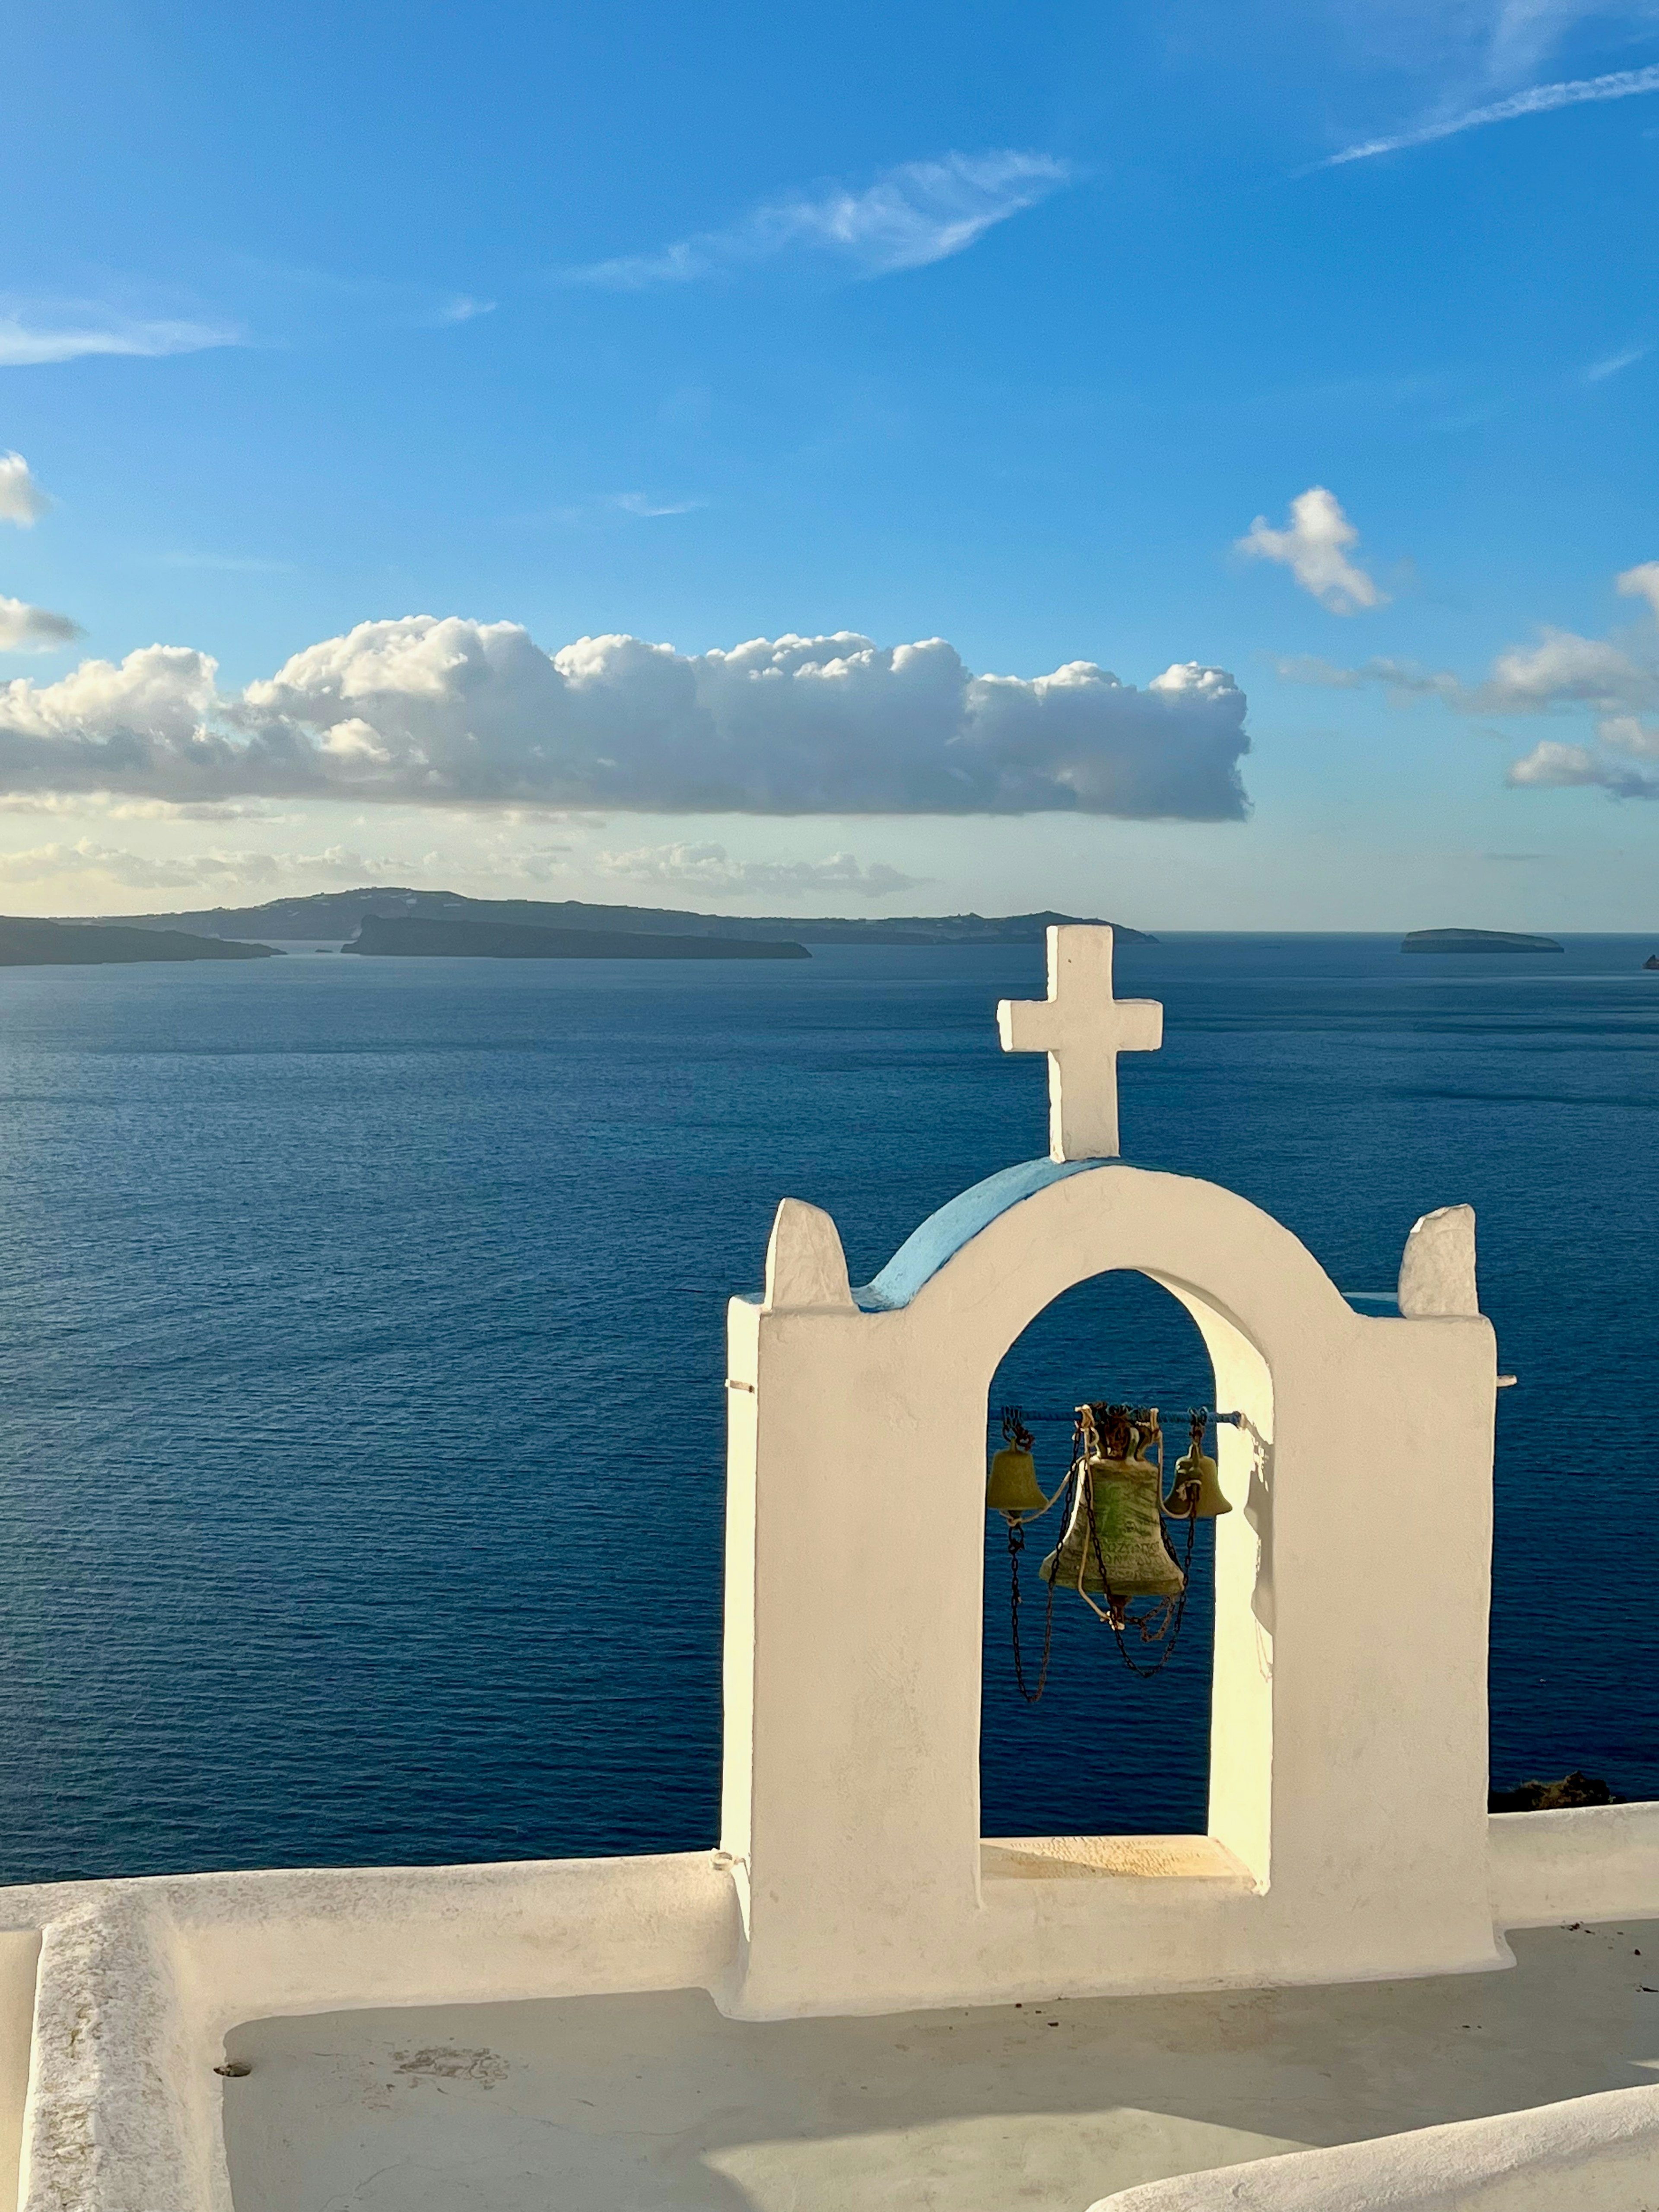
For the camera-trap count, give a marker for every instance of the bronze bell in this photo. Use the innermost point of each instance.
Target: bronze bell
(1196, 1473)
(1122, 1496)
(1013, 1487)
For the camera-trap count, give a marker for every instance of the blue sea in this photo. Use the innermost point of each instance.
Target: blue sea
(361, 1349)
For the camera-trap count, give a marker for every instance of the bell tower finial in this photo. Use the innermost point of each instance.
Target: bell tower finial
(1082, 1028)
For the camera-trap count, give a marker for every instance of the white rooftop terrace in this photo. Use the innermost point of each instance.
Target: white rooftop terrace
(656, 2102)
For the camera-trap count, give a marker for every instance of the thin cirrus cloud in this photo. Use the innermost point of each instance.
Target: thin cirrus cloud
(1599, 371)
(644, 508)
(30, 340)
(918, 213)
(431, 712)
(710, 869)
(1539, 100)
(1315, 547)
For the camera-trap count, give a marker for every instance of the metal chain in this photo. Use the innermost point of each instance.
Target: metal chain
(1017, 1434)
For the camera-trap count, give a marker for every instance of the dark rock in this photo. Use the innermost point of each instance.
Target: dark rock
(1574, 1789)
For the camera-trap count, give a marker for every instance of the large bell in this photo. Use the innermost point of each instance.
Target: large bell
(1123, 1495)
(1012, 1486)
(1196, 1475)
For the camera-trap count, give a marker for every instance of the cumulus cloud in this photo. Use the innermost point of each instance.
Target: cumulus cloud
(1314, 549)
(709, 868)
(445, 712)
(29, 341)
(1622, 762)
(921, 212)
(21, 500)
(1641, 582)
(1538, 100)
(24, 628)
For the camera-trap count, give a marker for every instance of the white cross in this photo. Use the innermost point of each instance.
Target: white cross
(1083, 1029)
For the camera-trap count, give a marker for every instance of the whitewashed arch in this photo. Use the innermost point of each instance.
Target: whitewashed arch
(1348, 1821)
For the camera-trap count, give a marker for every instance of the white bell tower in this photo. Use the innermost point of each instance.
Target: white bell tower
(1347, 1819)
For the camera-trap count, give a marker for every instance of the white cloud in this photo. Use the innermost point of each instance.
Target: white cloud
(108, 807)
(28, 341)
(1562, 672)
(24, 628)
(449, 712)
(1641, 582)
(1539, 100)
(709, 869)
(1599, 371)
(1624, 762)
(21, 500)
(641, 504)
(1315, 550)
(921, 212)
(217, 872)
(1464, 46)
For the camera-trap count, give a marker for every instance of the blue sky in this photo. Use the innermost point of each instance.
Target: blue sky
(356, 361)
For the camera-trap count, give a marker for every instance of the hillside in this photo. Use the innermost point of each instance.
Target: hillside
(336, 915)
(27, 944)
(444, 936)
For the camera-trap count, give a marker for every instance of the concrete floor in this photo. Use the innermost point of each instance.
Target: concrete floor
(656, 2104)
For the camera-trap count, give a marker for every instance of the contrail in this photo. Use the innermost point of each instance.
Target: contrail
(1622, 84)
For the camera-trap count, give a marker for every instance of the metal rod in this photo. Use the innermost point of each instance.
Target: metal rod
(1029, 1413)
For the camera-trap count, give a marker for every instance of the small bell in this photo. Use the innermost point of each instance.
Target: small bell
(1119, 1492)
(1196, 1479)
(1013, 1487)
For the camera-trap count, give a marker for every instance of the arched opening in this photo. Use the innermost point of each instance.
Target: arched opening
(1102, 1751)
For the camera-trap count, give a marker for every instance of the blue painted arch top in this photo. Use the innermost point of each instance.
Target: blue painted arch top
(943, 1234)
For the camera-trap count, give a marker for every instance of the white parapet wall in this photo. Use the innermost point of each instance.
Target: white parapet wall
(1593, 1863)
(139, 1982)
(1590, 2155)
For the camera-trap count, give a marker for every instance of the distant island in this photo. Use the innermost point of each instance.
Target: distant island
(332, 916)
(1476, 940)
(437, 937)
(87, 945)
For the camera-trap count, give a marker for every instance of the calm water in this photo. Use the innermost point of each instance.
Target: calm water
(360, 1470)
